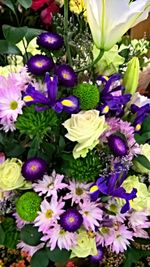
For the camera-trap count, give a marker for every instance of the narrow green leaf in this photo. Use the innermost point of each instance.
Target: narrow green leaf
(14, 34)
(10, 4)
(8, 48)
(2, 235)
(25, 3)
(143, 161)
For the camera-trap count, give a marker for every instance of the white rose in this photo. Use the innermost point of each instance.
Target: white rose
(85, 128)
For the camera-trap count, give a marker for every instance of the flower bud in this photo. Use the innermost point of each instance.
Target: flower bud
(131, 77)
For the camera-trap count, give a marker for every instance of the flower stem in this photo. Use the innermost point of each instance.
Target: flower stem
(66, 41)
(101, 53)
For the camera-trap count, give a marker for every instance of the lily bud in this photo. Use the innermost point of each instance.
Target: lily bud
(131, 77)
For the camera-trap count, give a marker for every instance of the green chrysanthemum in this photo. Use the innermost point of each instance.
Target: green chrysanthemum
(28, 205)
(88, 95)
(83, 169)
(37, 124)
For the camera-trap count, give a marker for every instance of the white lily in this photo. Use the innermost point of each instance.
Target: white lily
(109, 20)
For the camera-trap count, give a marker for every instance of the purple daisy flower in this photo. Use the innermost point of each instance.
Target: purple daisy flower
(40, 64)
(66, 75)
(118, 145)
(71, 220)
(34, 169)
(50, 40)
(99, 255)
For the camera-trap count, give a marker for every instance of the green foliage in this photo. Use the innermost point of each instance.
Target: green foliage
(28, 205)
(83, 169)
(10, 145)
(14, 34)
(59, 256)
(25, 3)
(145, 132)
(10, 4)
(9, 235)
(88, 95)
(8, 48)
(39, 259)
(143, 161)
(37, 124)
(30, 235)
(134, 255)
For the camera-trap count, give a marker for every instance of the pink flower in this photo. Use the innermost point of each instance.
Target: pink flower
(29, 249)
(50, 185)
(19, 222)
(10, 103)
(119, 238)
(92, 214)
(138, 220)
(78, 192)
(56, 236)
(50, 212)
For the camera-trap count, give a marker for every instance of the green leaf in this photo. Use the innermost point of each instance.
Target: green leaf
(11, 233)
(14, 34)
(59, 256)
(142, 241)
(14, 150)
(32, 33)
(39, 259)
(25, 3)
(146, 125)
(8, 48)
(141, 139)
(30, 235)
(10, 4)
(134, 255)
(2, 235)
(143, 161)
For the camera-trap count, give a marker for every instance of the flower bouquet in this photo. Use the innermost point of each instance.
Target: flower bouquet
(75, 152)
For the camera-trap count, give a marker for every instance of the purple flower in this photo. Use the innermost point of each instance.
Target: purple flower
(141, 114)
(111, 186)
(71, 220)
(117, 145)
(50, 40)
(34, 169)
(66, 75)
(111, 95)
(99, 255)
(49, 100)
(39, 64)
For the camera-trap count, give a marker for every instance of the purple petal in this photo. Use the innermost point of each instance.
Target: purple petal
(70, 103)
(51, 83)
(58, 107)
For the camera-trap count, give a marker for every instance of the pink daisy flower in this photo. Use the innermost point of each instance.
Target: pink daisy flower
(50, 185)
(78, 192)
(138, 220)
(92, 214)
(29, 249)
(10, 103)
(19, 222)
(56, 236)
(125, 128)
(102, 235)
(119, 238)
(50, 212)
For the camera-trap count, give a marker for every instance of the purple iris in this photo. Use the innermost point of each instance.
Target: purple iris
(111, 186)
(50, 40)
(66, 75)
(71, 220)
(34, 169)
(99, 256)
(141, 114)
(39, 64)
(49, 99)
(112, 97)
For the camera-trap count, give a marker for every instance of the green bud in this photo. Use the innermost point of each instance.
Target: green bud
(131, 76)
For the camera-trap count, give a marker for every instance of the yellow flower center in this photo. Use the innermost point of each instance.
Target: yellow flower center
(62, 232)
(71, 219)
(67, 103)
(49, 214)
(50, 40)
(66, 75)
(13, 105)
(33, 168)
(79, 191)
(39, 63)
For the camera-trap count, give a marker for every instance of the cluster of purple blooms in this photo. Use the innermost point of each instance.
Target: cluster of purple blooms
(68, 207)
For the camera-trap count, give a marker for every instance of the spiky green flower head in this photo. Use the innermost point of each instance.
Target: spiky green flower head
(83, 169)
(37, 124)
(28, 205)
(88, 95)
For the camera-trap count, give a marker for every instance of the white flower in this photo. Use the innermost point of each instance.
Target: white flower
(109, 20)
(139, 100)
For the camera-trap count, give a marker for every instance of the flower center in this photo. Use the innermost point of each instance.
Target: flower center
(51, 186)
(33, 168)
(39, 63)
(50, 40)
(66, 75)
(13, 105)
(49, 214)
(71, 219)
(86, 213)
(104, 230)
(62, 232)
(79, 191)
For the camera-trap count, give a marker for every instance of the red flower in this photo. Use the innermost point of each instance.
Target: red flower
(46, 13)
(70, 264)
